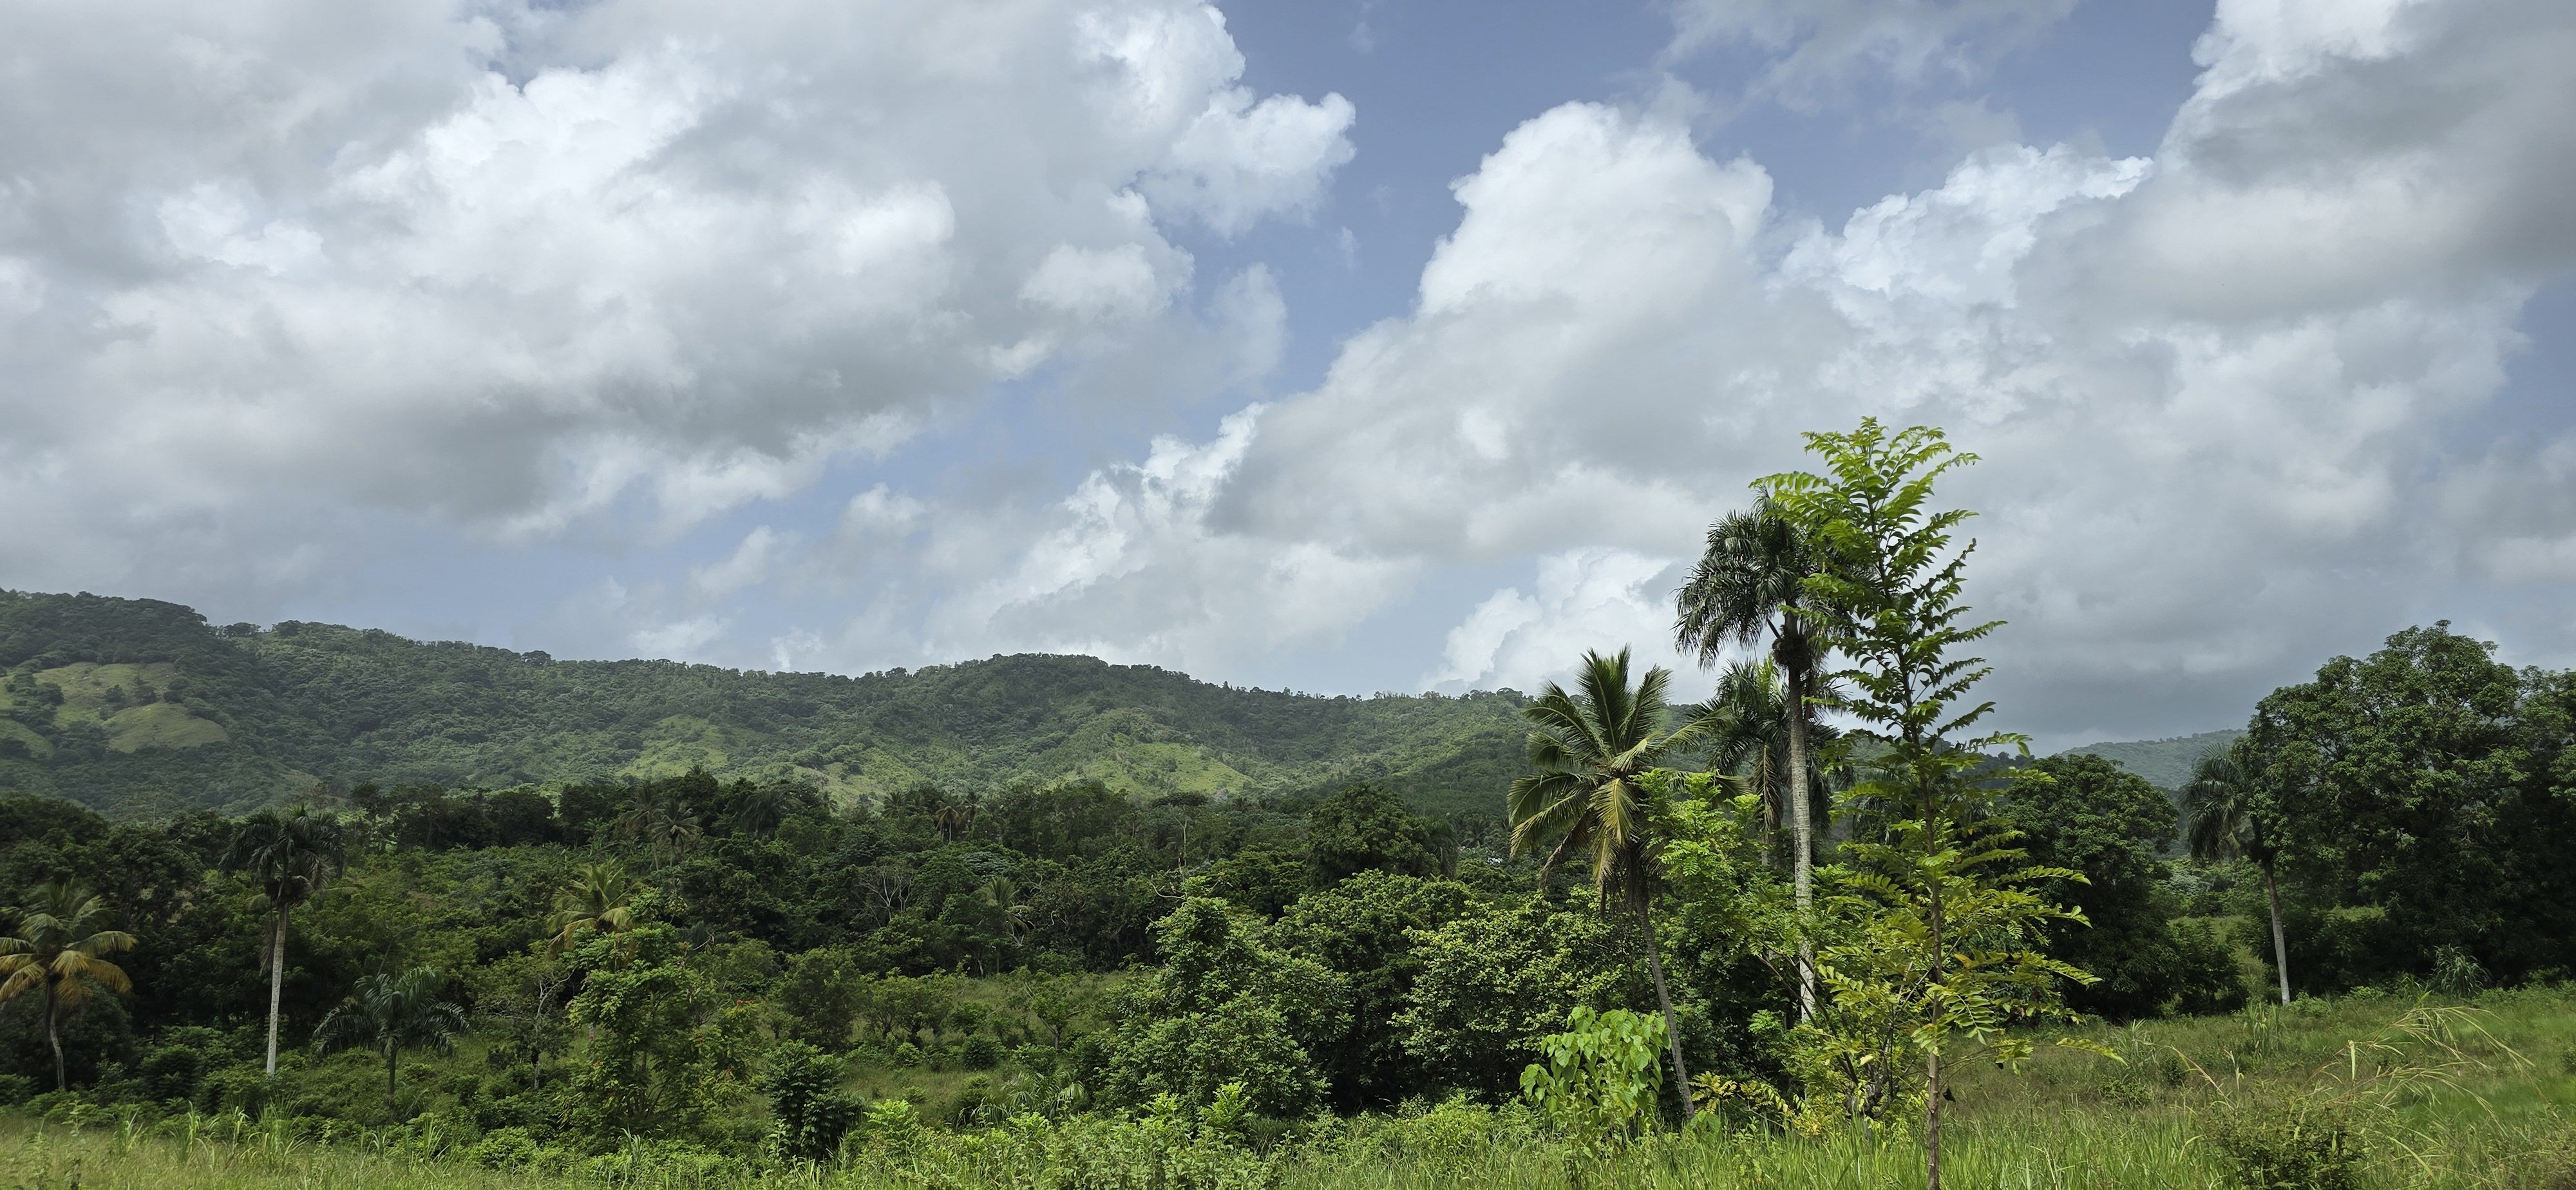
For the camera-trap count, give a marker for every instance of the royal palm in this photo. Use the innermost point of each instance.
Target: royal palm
(290, 856)
(1751, 583)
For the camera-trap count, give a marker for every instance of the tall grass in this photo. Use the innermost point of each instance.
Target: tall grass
(2501, 1121)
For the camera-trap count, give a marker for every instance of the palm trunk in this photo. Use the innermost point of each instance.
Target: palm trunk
(1664, 999)
(54, 1038)
(2280, 942)
(393, 1057)
(1802, 861)
(276, 983)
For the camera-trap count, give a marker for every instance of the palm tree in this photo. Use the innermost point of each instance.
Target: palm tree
(2219, 822)
(60, 951)
(291, 857)
(763, 808)
(1745, 737)
(1750, 583)
(660, 822)
(391, 1013)
(1590, 749)
(600, 899)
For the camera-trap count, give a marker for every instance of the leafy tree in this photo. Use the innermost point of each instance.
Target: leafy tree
(1952, 949)
(661, 1040)
(2220, 814)
(1752, 581)
(2094, 817)
(1495, 980)
(1364, 929)
(1591, 750)
(1363, 828)
(518, 998)
(2401, 781)
(1224, 1008)
(391, 1013)
(291, 857)
(821, 993)
(60, 952)
(599, 899)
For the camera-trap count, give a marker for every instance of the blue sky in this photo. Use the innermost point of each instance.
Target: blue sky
(1344, 346)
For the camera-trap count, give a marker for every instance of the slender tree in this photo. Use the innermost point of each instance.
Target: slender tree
(1958, 932)
(2219, 822)
(60, 952)
(291, 857)
(1591, 749)
(392, 1013)
(1751, 583)
(600, 899)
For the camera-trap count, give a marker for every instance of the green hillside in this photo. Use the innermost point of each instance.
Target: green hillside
(137, 705)
(2166, 764)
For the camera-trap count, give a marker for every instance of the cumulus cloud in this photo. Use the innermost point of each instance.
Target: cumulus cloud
(2211, 455)
(523, 268)
(1585, 600)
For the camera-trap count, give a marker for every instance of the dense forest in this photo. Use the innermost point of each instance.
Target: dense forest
(142, 707)
(499, 918)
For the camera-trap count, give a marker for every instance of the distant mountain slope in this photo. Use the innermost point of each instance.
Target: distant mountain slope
(2166, 764)
(132, 704)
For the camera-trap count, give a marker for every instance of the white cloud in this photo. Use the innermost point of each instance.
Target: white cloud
(2203, 472)
(527, 269)
(1593, 599)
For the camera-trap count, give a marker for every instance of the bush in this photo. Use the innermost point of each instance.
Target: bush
(979, 1053)
(2288, 1142)
(810, 1112)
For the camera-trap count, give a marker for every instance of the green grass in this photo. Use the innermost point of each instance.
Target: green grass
(2073, 1120)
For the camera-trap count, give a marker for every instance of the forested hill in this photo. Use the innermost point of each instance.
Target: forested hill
(2166, 764)
(140, 706)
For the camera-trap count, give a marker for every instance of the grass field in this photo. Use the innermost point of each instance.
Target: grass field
(2502, 1114)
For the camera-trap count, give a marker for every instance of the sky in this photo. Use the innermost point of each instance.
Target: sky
(1342, 346)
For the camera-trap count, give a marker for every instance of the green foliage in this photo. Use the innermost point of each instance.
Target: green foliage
(2289, 1142)
(1598, 1078)
(2096, 819)
(809, 1112)
(661, 1043)
(1365, 829)
(1495, 980)
(247, 716)
(2427, 782)
(1946, 923)
(390, 1013)
(1365, 930)
(1225, 1008)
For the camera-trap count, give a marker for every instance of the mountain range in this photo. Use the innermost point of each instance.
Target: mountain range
(137, 707)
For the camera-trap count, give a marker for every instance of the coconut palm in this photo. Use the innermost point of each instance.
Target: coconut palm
(1750, 583)
(1591, 749)
(2219, 822)
(59, 951)
(392, 1013)
(599, 900)
(291, 857)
